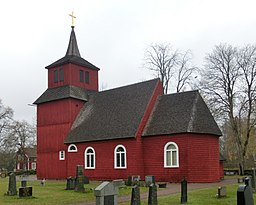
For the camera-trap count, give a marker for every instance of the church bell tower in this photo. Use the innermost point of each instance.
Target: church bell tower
(70, 81)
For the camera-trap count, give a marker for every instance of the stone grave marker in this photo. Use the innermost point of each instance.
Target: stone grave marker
(23, 180)
(244, 195)
(253, 179)
(135, 180)
(222, 192)
(184, 191)
(25, 191)
(71, 182)
(135, 199)
(106, 193)
(149, 180)
(152, 195)
(79, 185)
(12, 190)
(86, 180)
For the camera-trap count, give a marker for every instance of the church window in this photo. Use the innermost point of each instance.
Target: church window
(61, 75)
(56, 77)
(86, 77)
(72, 148)
(33, 165)
(171, 155)
(120, 157)
(62, 155)
(81, 74)
(89, 158)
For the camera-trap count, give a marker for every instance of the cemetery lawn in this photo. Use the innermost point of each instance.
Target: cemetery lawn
(200, 197)
(53, 193)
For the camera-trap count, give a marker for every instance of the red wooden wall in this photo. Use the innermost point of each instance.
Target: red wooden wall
(54, 120)
(72, 77)
(198, 158)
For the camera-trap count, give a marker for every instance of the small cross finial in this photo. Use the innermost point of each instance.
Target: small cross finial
(73, 17)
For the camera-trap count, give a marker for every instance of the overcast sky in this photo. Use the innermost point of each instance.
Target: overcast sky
(111, 34)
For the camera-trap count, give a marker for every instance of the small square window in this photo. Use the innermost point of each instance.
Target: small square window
(56, 77)
(81, 74)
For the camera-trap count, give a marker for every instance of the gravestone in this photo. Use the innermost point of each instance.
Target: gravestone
(184, 191)
(71, 182)
(152, 195)
(25, 191)
(244, 195)
(43, 182)
(149, 180)
(79, 185)
(253, 179)
(222, 192)
(135, 180)
(12, 190)
(135, 200)
(129, 181)
(23, 179)
(106, 193)
(86, 180)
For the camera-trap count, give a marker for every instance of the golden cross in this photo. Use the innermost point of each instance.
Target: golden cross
(73, 17)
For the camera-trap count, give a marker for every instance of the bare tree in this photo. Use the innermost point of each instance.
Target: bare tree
(171, 66)
(229, 83)
(6, 117)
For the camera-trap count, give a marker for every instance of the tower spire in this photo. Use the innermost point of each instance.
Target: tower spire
(72, 46)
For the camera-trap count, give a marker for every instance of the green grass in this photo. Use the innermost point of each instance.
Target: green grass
(201, 197)
(54, 193)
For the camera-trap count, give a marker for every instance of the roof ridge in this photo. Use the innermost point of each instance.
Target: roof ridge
(130, 85)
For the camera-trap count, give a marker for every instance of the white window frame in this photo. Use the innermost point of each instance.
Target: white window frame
(120, 153)
(90, 154)
(33, 165)
(71, 150)
(61, 155)
(171, 152)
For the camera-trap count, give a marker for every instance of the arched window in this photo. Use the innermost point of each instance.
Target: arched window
(72, 148)
(89, 156)
(120, 157)
(171, 155)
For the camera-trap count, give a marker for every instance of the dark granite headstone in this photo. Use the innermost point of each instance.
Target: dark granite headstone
(12, 190)
(25, 191)
(135, 200)
(184, 191)
(244, 195)
(149, 180)
(152, 195)
(79, 178)
(135, 180)
(253, 179)
(71, 181)
(23, 183)
(86, 180)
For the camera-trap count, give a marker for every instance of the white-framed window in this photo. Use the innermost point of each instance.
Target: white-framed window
(18, 165)
(171, 155)
(89, 158)
(120, 157)
(33, 165)
(72, 148)
(62, 155)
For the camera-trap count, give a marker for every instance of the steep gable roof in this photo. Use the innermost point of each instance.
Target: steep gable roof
(67, 91)
(184, 112)
(72, 55)
(112, 114)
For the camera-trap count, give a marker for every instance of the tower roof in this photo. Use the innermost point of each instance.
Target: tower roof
(72, 55)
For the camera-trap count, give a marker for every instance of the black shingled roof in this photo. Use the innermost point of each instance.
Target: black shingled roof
(112, 114)
(72, 55)
(184, 112)
(67, 91)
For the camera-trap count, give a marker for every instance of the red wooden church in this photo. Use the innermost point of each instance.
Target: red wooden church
(130, 130)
